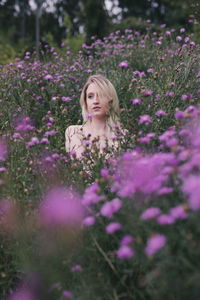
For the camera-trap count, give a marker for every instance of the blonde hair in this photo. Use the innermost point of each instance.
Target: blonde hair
(107, 88)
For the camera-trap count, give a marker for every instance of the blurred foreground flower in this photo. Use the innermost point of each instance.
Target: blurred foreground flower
(155, 243)
(3, 151)
(61, 207)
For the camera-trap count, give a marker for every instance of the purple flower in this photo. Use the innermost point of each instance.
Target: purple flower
(160, 113)
(66, 99)
(179, 38)
(89, 221)
(48, 77)
(184, 97)
(123, 64)
(125, 252)
(91, 195)
(136, 101)
(3, 151)
(154, 244)
(150, 70)
(126, 240)
(165, 190)
(112, 227)
(179, 115)
(150, 213)
(104, 173)
(110, 207)
(191, 187)
(67, 294)
(61, 207)
(147, 93)
(2, 169)
(22, 294)
(76, 268)
(178, 212)
(17, 135)
(165, 220)
(145, 119)
(44, 141)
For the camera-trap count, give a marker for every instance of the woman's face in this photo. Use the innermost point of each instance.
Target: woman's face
(97, 103)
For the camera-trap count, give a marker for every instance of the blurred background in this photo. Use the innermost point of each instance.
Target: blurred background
(27, 25)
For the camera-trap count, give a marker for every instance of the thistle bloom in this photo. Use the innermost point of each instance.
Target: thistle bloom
(76, 268)
(67, 294)
(91, 195)
(154, 244)
(123, 64)
(3, 151)
(22, 294)
(89, 221)
(178, 212)
(165, 220)
(145, 119)
(112, 227)
(126, 240)
(150, 213)
(160, 113)
(61, 207)
(191, 187)
(109, 208)
(125, 252)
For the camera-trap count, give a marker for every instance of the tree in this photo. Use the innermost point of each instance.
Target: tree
(95, 19)
(172, 12)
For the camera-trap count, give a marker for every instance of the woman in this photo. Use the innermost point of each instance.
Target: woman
(100, 111)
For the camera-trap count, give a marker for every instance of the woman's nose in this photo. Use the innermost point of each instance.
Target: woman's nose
(96, 98)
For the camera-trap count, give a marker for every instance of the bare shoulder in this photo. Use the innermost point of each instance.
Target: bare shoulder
(72, 130)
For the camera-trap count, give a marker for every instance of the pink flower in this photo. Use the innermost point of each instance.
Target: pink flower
(160, 113)
(126, 240)
(112, 227)
(136, 101)
(67, 294)
(125, 252)
(165, 220)
(184, 97)
(104, 173)
(191, 187)
(22, 294)
(3, 151)
(91, 195)
(145, 119)
(123, 64)
(48, 77)
(61, 207)
(154, 244)
(179, 38)
(178, 212)
(148, 93)
(76, 268)
(179, 115)
(89, 221)
(110, 207)
(66, 99)
(150, 213)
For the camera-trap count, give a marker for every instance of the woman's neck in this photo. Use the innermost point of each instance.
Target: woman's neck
(96, 127)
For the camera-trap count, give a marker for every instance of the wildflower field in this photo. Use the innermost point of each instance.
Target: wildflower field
(123, 228)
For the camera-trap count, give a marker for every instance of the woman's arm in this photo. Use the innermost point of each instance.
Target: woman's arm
(68, 138)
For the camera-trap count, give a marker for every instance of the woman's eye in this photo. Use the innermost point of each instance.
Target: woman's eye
(89, 97)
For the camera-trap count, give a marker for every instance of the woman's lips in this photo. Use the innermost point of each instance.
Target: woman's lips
(96, 108)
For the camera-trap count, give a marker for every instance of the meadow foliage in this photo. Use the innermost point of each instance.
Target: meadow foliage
(123, 227)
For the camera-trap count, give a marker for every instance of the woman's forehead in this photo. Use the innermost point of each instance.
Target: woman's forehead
(93, 88)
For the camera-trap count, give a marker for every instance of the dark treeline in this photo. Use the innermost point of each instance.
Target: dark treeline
(24, 23)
